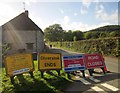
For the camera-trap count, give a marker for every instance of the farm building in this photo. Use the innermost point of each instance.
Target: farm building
(21, 34)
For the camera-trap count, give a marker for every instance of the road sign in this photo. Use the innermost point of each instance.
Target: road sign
(94, 61)
(50, 61)
(73, 63)
(18, 64)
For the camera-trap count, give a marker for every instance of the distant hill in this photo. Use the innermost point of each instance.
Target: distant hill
(108, 28)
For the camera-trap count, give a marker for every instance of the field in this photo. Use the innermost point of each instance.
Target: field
(50, 83)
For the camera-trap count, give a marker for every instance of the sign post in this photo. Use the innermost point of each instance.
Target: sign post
(49, 61)
(18, 64)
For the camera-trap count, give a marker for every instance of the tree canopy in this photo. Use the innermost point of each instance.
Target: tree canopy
(56, 33)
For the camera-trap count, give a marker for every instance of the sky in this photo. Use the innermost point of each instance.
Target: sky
(73, 15)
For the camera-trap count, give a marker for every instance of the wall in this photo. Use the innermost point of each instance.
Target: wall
(18, 40)
(40, 41)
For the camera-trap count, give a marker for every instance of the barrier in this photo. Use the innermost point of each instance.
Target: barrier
(21, 63)
(49, 61)
(18, 64)
(93, 61)
(73, 63)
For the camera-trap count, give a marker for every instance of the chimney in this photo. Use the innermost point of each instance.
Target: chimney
(26, 13)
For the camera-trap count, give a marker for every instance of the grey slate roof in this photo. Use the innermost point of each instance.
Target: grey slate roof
(21, 23)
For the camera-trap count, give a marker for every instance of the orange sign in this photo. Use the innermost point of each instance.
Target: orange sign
(49, 61)
(18, 64)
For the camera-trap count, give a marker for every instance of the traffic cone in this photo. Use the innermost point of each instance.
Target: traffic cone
(105, 69)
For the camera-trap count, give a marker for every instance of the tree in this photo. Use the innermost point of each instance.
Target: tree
(115, 34)
(78, 34)
(74, 38)
(54, 33)
(95, 34)
(68, 36)
(103, 34)
(88, 35)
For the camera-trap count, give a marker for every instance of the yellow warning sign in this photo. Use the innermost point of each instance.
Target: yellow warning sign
(18, 63)
(49, 61)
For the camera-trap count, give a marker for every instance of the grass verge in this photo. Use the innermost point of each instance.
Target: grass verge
(50, 83)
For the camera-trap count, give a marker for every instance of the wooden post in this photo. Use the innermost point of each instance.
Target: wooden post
(68, 74)
(12, 79)
(90, 71)
(58, 71)
(42, 74)
(103, 70)
(31, 73)
(83, 73)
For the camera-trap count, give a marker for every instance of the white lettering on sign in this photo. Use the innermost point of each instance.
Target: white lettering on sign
(21, 71)
(74, 65)
(95, 63)
(92, 57)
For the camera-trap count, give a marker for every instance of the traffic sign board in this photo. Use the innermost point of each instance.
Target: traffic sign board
(73, 63)
(50, 61)
(94, 61)
(18, 64)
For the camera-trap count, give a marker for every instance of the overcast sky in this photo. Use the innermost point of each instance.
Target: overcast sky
(71, 14)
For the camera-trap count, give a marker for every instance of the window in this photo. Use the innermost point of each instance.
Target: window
(30, 46)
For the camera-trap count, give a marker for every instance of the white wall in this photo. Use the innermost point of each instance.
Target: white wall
(40, 41)
(0, 57)
(0, 46)
(18, 39)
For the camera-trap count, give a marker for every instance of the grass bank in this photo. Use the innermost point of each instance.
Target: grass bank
(50, 83)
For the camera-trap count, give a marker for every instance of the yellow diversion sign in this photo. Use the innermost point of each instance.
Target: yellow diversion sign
(18, 64)
(49, 61)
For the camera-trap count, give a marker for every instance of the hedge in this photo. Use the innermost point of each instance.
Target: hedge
(106, 46)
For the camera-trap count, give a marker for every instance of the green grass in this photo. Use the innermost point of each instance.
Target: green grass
(50, 83)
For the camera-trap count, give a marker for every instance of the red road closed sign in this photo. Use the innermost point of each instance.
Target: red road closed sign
(94, 61)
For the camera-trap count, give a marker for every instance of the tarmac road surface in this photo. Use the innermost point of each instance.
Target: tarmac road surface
(99, 82)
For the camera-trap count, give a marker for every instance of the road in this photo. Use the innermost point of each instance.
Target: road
(99, 82)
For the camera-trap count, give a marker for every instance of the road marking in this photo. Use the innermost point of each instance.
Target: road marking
(95, 80)
(98, 89)
(110, 87)
(83, 80)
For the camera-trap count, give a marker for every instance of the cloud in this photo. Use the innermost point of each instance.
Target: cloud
(103, 15)
(61, 11)
(86, 2)
(7, 12)
(82, 27)
(83, 10)
(75, 14)
(66, 19)
(85, 6)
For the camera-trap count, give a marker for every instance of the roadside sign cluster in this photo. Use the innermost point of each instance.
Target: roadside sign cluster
(82, 62)
(21, 63)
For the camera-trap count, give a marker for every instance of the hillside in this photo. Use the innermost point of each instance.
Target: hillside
(108, 28)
